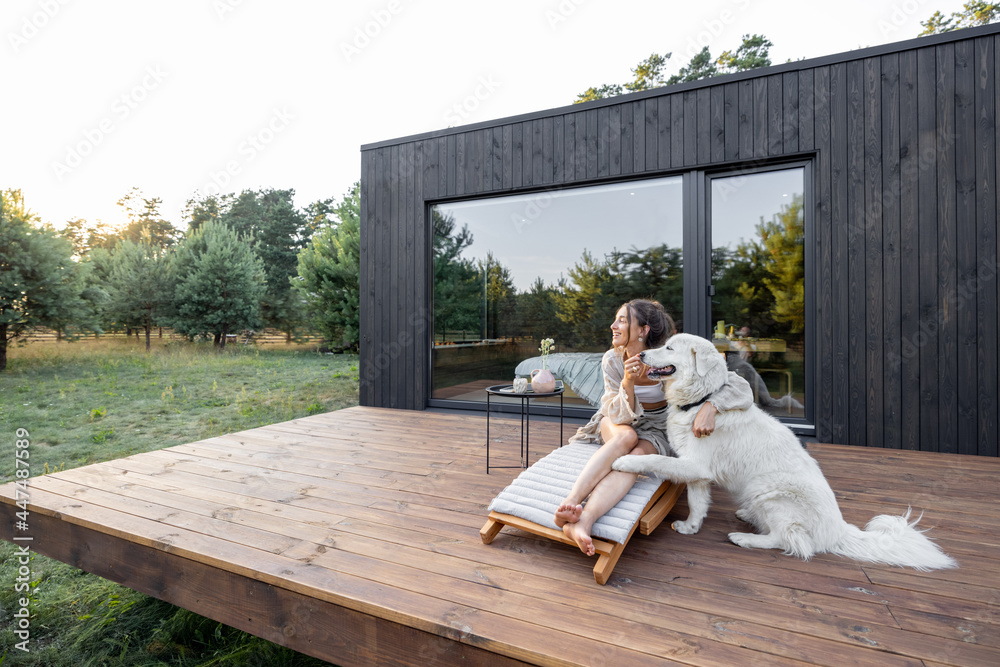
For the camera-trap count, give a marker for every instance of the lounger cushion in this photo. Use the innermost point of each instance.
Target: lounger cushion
(539, 490)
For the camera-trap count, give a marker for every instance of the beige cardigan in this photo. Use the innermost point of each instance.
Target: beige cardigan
(734, 395)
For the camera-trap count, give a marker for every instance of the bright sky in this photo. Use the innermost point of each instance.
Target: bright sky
(209, 95)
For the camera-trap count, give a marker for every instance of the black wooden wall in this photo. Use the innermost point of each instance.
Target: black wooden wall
(904, 144)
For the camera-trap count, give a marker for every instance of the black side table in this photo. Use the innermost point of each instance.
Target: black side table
(508, 391)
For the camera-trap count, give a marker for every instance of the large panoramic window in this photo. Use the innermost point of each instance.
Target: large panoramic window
(511, 271)
(758, 312)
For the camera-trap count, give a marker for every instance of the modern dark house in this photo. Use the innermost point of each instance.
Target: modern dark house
(831, 223)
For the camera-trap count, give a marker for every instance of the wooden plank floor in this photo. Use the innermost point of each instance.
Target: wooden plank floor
(353, 536)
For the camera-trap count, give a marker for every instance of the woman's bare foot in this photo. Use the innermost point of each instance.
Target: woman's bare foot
(581, 535)
(567, 513)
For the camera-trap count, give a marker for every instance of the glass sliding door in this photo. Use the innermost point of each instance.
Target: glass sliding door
(758, 275)
(511, 271)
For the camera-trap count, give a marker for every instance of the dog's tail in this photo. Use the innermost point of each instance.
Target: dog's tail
(893, 540)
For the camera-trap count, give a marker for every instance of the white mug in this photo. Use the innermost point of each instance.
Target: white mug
(520, 385)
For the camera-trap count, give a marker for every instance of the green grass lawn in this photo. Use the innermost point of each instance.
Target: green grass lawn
(93, 401)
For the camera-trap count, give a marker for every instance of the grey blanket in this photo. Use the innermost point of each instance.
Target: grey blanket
(580, 370)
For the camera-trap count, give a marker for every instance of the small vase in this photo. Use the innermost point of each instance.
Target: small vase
(542, 381)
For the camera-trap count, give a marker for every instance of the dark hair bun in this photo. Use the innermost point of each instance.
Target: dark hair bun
(646, 312)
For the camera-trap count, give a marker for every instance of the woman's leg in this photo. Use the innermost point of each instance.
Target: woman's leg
(619, 439)
(611, 488)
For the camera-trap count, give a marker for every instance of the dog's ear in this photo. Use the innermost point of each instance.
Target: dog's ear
(702, 362)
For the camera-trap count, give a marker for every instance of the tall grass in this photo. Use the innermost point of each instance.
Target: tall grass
(93, 401)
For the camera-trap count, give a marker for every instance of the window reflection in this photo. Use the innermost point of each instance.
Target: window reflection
(510, 271)
(758, 269)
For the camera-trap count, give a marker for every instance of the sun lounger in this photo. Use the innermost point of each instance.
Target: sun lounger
(530, 502)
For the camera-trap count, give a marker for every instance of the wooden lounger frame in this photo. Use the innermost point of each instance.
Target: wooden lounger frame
(659, 505)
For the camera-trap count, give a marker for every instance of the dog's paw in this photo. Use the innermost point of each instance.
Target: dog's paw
(632, 463)
(686, 527)
(744, 515)
(744, 540)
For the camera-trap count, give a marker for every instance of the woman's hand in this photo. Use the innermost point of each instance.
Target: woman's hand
(634, 370)
(704, 421)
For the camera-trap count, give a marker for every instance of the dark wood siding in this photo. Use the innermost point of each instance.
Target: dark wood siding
(838, 320)
(924, 339)
(904, 148)
(891, 378)
(947, 281)
(986, 91)
(822, 213)
(855, 322)
(909, 254)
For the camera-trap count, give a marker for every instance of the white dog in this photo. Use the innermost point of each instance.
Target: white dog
(759, 461)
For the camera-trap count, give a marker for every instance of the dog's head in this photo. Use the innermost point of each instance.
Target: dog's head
(690, 367)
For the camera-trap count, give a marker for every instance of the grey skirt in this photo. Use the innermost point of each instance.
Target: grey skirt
(651, 426)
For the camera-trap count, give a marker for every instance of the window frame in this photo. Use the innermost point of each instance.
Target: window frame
(701, 295)
(696, 207)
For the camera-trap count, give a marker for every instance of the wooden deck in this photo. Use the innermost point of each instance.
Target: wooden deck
(354, 536)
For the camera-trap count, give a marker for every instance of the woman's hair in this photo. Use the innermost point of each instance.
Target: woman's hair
(646, 312)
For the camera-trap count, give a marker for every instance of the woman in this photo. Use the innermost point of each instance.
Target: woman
(632, 418)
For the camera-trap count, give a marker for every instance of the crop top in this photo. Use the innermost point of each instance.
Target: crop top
(652, 393)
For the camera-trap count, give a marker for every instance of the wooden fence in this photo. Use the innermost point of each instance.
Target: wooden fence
(262, 337)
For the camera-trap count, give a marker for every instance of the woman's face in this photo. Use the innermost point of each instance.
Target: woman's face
(621, 333)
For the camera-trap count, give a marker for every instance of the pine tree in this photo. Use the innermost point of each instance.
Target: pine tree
(218, 283)
(784, 240)
(200, 210)
(761, 284)
(145, 222)
(752, 53)
(500, 303)
(973, 13)
(458, 285)
(269, 219)
(329, 275)
(578, 301)
(40, 284)
(701, 66)
(139, 289)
